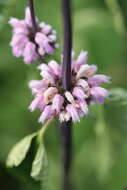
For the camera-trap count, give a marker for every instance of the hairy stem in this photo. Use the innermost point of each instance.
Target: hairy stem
(66, 129)
(31, 6)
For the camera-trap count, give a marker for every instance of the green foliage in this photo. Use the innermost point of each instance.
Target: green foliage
(19, 151)
(40, 164)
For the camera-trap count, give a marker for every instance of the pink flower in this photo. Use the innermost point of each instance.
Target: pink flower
(82, 83)
(35, 103)
(79, 93)
(42, 42)
(96, 80)
(99, 94)
(49, 94)
(29, 53)
(53, 101)
(48, 113)
(86, 71)
(82, 59)
(73, 112)
(57, 103)
(55, 67)
(69, 97)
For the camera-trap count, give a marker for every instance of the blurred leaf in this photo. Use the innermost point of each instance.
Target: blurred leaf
(19, 151)
(5, 7)
(95, 17)
(117, 15)
(118, 95)
(40, 164)
(103, 148)
(116, 110)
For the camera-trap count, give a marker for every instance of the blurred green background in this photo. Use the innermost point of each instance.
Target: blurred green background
(100, 140)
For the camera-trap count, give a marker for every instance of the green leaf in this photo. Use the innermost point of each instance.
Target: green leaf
(6, 7)
(40, 164)
(19, 151)
(119, 95)
(116, 109)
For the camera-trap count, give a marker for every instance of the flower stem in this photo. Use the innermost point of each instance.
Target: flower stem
(66, 130)
(43, 129)
(35, 27)
(31, 6)
(66, 67)
(66, 133)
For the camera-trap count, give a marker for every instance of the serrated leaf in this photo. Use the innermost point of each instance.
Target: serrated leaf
(40, 164)
(19, 151)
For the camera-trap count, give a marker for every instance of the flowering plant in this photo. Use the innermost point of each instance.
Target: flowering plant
(66, 90)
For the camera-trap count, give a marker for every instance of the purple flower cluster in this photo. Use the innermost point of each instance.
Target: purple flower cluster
(51, 99)
(28, 44)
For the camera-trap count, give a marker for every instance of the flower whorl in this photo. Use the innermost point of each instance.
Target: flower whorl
(51, 99)
(28, 44)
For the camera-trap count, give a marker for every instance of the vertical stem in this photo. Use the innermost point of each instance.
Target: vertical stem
(66, 133)
(31, 6)
(66, 67)
(66, 129)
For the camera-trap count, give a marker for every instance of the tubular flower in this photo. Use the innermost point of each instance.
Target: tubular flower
(30, 44)
(53, 101)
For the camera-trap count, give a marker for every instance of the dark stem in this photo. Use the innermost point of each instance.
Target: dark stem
(66, 129)
(66, 67)
(35, 27)
(66, 133)
(31, 6)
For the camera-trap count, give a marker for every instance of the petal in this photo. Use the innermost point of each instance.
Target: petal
(19, 40)
(35, 103)
(47, 29)
(73, 112)
(49, 94)
(48, 48)
(79, 93)
(40, 38)
(46, 114)
(84, 107)
(69, 97)
(99, 94)
(30, 54)
(57, 103)
(82, 83)
(56, 68)
(17, 52)
(64, 116)
(82, 59)
(38, 86)
(96, 80)
(86, 71)
(48, 76)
